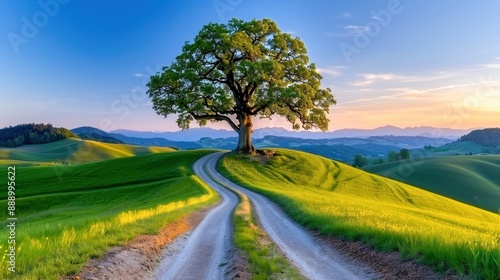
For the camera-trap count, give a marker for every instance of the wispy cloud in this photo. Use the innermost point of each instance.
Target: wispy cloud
(346, 15)
(371, 78)
(497, 65)
(497, 57)
(349, 30)
(331, 71)
(139, 75)
(356, 29)
(416, 93)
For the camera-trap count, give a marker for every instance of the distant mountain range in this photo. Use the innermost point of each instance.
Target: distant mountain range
(343, 149)
(195, 134)
(341, 145)
(92, 133)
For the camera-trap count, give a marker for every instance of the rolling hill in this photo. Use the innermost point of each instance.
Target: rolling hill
(92, 133)
(336, 199)
(474, 180)
(71, 151)
(66, 220)
(489, 137)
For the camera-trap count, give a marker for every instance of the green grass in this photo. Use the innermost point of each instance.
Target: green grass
(71, 151)
(458, 148)
(474, 180)
(265, 259)
(68, 214)
(337, 199)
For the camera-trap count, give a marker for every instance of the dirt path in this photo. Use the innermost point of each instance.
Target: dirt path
(310, 256)
(205, 253)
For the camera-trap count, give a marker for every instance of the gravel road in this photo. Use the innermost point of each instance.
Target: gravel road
(206, 250)
(204, 253)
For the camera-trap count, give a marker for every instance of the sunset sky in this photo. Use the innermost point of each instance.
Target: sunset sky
(404, 63)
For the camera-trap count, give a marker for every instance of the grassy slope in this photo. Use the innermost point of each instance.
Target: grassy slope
(338, 199)
(67, 214)
(470, 179)
(72, 151)
(458, 147)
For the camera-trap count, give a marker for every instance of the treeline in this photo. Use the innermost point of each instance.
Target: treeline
(23, 134)
(489, 137)
(360, 160)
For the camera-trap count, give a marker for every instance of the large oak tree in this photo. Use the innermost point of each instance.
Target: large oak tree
(232, 72)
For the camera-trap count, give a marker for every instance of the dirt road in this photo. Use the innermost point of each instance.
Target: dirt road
(205, 251)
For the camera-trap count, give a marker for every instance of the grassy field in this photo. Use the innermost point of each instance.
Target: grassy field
(455, 148)
(70, 213)
(474, 180)
(71, 151)
(337, 199)
(264, 257)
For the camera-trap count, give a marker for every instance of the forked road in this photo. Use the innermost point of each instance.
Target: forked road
(206, 249)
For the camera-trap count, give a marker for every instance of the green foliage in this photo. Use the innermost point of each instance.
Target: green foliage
(66, 220)
(393, 156)
(489, 137)
(242, 69)
(404, 154)
(379, 161)
(337, 199)
(23, 134)
(360, 161)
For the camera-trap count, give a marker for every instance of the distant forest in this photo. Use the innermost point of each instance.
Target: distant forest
(23, 134)
(489, 137)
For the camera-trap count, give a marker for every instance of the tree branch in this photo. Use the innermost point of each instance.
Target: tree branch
(217, 118)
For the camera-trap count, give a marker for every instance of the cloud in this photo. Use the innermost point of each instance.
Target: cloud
(349, 30)
(139, 75)
(332, 72)
(497, 65)
(346, 15)
(415, 93)
(372, 78)
(356, 29)
(497, 57)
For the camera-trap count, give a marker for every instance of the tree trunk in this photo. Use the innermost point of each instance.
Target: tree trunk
(245, 134)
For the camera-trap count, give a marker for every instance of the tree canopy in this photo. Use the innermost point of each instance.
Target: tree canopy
(23, 134)
(234, 71)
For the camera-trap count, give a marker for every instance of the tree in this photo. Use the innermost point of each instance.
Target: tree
(360, 161)
(393, 156)
(232, 72)
(404, 154)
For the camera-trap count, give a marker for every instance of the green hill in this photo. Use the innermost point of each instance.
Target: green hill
(489, 137)
(63, 221)
(71, 151)
(474, 180)
(337, 199)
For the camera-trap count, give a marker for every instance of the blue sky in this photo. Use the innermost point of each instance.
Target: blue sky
(405, 63)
